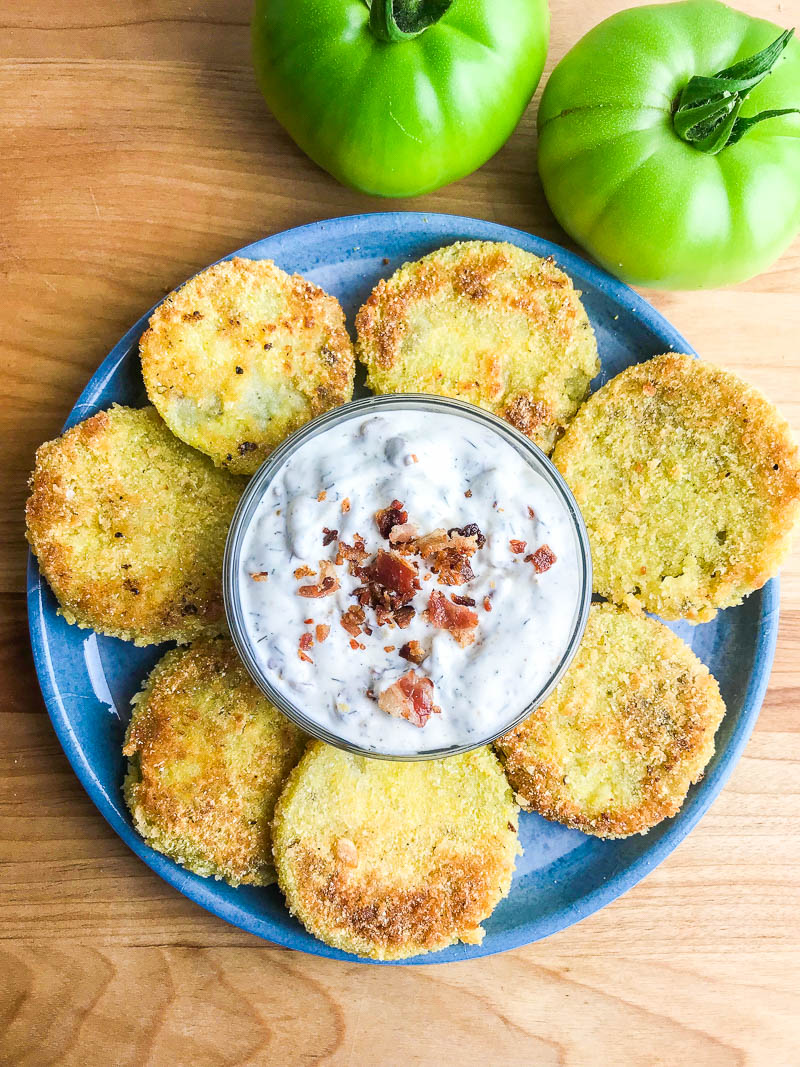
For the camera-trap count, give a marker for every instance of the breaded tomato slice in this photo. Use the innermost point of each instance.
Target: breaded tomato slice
(241, 356)
(390, 859)
(487, 323)
(615, 747)
(128, 525)
(689, 482)
(208, 755)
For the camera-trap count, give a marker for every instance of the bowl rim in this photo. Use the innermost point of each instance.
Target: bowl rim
(269, 469)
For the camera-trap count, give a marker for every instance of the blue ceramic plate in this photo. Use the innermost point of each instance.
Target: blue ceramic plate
(88, 680)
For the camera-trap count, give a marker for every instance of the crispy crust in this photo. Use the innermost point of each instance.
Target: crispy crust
(402, 858)
(629, 728)
(241, 356)
(484, 322)
(129, 527)
(689, 482)
(208, 755)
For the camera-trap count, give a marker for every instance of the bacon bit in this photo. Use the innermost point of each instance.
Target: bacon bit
(306, 641)
(531, 512)
(321, 495)
(413, 652)
(542, 559)
(487, 604)
(327, 584)
(448, 553)
(460, 621)
(394, 515)
(518, 547)
(260, 576)
(328, 536)
(465, 601)
(304, 572)
(402, 534)
(354, 644)
(308, 622)
(393, 573)
(410, 698)
(362, 647)
(427, 577)
(414, 458)
(345, 505)
(306, 659)
(468, 493)
(403, 616)
(389, 648)
(471, 530)
(353, 619)
(354, 554)
(322, 632)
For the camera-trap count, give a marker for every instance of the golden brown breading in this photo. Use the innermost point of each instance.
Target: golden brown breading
(208, 755)
(484, 322)
(389, 859)
(689, 482)
(615, 747)
(241, 356)
(129, 527)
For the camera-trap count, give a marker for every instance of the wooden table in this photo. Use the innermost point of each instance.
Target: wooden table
(135, 150)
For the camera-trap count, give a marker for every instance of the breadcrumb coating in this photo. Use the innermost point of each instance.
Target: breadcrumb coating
(242, 355)
(615, 747)
(129, 525)
(208, 755)
(487, 323)
(390, 859)
(689, 482)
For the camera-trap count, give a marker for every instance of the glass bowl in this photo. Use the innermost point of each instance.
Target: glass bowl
(357, 409)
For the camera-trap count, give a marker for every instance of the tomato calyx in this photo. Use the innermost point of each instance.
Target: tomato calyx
(706, 113)
(402, 20)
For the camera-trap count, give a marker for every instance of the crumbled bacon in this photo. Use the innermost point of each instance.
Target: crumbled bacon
(308, 622)
(260, 576)
(327, 584)
(355, 554)
(468, 493)
(321, 495)
(395, 575)
(459, 620)
(413, 652)
(353, 619)
(471, 530)
(345, 505)
(518, 547)
(487, 604)
(304, 572)
(303, 645)
(531, 512)
(403, 533)
(328, 536)
(394, 515)
(322, 632)
(448, 553)
(354, 644)
(403, 616)
(542, 559)
(389, 648)
(410, 698)
(465, 601)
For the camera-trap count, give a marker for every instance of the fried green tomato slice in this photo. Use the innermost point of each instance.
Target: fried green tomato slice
(241, 356)
(208, 755)
(390, 859)
(615, 747)
(129, 527)
(689, 482)
(487, 323)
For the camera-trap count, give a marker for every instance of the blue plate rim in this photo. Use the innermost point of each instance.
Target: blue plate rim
(283, 934)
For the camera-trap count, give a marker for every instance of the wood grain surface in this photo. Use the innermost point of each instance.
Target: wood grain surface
(134, 150)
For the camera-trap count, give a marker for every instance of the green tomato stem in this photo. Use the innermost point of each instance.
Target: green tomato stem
(402, 20)
(706, 114)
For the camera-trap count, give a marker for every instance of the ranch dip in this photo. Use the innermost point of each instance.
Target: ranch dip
(409, 582)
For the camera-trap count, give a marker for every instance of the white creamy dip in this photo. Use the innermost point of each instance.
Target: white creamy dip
(448, 472)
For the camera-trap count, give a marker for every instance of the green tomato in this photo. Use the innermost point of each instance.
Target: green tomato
(406, 96)
(659, 173)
